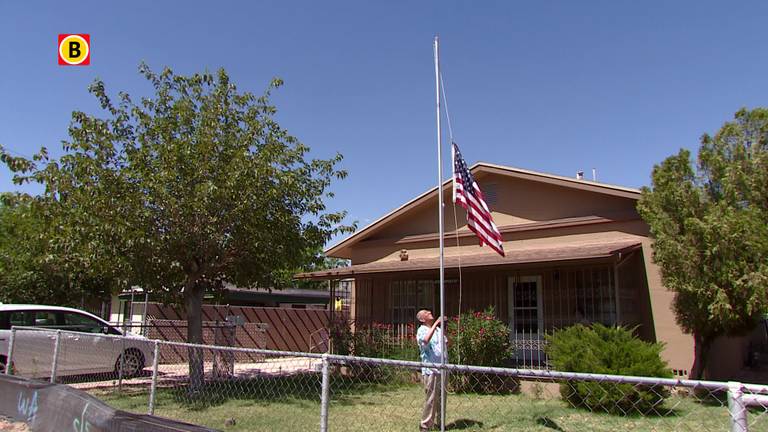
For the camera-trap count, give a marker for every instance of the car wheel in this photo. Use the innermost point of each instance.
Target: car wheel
(132, 362)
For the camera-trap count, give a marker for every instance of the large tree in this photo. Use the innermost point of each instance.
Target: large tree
(710, 230)
(187, 189)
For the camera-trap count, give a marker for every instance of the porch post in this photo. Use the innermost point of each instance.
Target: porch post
(332, 299)
(616, 292)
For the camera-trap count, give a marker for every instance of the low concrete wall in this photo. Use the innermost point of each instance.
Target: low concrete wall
(56, 407)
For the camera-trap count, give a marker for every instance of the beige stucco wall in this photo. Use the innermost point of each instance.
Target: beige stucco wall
(678, 350)
(519, 202)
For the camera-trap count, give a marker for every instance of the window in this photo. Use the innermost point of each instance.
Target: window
(409, 296)
(45, 319)
(525, 306)
(15, 318)
(581, 295)
(82, 323)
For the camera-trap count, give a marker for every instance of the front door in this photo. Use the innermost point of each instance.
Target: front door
(526, 320)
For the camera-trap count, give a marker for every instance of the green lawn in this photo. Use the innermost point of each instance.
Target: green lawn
(293, 405)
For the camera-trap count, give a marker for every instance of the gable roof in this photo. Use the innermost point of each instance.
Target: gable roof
(478, 170)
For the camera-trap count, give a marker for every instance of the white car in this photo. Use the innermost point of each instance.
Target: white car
(88, 344)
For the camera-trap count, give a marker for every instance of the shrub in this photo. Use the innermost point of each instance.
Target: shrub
(341, 335)
(479, 339)
(370, 341)
(408, 350)
(608, 350)
(375, 341)
(483, 340)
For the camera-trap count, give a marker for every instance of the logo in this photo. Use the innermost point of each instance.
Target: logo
(74, 49)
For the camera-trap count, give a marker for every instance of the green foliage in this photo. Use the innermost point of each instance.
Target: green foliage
(710, 230)
(198, 182)
(320, 262)
(184, 190)
(407, 350)
(479, 339)
(483, 339)
(608, 350)
(31, 270)
(374, 341)
(379, 341)
(371, 341)
(341, 335)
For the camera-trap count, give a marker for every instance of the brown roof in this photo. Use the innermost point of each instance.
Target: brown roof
(520, 255)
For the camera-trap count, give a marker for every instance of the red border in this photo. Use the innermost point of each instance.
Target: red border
(86, 61)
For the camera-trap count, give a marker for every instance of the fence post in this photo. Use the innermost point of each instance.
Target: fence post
(324, 395)
(736, 408)
(55, 356)
(153, 389)
(9, 359)
(122, 365)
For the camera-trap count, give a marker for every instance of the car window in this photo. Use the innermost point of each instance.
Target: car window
(9, 319)
(20, 318)
(45, 319)
(82, 323)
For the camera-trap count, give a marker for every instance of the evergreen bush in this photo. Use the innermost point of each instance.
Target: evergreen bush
(608, 350)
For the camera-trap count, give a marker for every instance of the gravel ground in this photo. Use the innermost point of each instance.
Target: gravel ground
(7, 425)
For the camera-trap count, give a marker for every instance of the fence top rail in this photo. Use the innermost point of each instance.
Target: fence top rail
(545, 374)
(178, 344)
(526, 373)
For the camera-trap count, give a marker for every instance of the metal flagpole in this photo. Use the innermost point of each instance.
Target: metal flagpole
(441, 230)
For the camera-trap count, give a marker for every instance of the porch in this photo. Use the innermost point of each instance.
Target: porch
(535, 289)
(534, 299)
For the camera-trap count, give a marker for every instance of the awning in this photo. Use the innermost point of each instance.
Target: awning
(516, 255)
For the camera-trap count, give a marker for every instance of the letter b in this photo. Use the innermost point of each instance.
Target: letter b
(74, 49)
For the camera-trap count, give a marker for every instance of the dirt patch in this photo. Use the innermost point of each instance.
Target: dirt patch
(7, 425)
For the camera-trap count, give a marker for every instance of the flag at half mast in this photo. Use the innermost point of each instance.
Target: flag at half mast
(467, 194)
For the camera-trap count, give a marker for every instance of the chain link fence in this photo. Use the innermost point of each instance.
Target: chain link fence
(240, 389)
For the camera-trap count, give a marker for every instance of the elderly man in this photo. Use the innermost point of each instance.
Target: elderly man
(429, 337)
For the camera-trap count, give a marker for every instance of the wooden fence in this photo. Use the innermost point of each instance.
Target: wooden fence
(286, 329)
(247, 335)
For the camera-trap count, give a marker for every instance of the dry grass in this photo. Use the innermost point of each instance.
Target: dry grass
(379, 408)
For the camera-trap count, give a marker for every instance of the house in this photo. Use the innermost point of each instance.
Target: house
(576, 251)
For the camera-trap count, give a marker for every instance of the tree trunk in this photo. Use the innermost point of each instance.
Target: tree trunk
(193, 300)
(701, 352)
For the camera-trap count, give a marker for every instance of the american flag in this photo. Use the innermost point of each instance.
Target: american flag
(467, 194)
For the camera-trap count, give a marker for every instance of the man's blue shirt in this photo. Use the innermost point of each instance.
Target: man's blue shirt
(431, 352)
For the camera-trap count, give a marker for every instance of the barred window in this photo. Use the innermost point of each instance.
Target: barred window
(410, 296)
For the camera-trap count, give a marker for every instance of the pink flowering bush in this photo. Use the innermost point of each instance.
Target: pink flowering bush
(479, 339)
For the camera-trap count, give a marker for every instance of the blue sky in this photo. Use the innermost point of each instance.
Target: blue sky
(552, 86)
